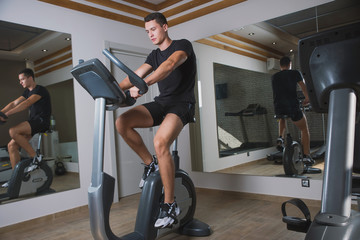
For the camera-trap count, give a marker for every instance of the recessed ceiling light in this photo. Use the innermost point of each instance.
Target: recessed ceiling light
(274, 43)
(239, 29)
(291, 50)
(68, 39)
(251, 34)
(44, 50)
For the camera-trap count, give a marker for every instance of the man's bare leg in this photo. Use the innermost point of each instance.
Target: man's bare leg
(137, 117)
(14, 154)
(282, 127)
(166, 134)
(305, 135)
(20, 134)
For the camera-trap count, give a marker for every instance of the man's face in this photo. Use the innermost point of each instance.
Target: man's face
(24, 80)
(155, 32)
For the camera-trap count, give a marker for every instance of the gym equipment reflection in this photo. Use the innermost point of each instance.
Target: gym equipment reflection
(254, 127)
(24, 181)
(244, 130)
(224, 48)
(52, 70)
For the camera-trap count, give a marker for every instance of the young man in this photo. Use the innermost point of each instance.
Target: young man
(173, 67)
(284, 85)
(35, 98)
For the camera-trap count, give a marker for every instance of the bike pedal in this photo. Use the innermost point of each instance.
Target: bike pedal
(295, 223)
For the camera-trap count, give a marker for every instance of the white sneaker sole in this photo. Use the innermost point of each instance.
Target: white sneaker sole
(167, 221)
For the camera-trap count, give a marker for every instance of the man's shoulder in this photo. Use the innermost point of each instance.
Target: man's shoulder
(277, 74)
(40, 90)
(182, 42)
(287, 72)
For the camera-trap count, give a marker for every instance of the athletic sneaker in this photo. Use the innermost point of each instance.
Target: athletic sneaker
(280, 144)
(168, 215)
(35, 164)
(307, 159)
(5, 185)
(148, 169)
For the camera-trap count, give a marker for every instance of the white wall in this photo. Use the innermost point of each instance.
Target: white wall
(89, 34)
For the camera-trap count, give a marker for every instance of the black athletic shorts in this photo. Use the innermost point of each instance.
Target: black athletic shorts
(294, 113)
(185, 111)
(38, 125)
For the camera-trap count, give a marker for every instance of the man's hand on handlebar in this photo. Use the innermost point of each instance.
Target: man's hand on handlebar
(134, 92)
(3, 118)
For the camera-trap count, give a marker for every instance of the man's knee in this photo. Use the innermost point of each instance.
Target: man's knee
(12, 132)
(160, 145)
(12, 146)
(119, 125)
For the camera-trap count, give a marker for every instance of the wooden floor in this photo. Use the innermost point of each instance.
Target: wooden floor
(230, 215)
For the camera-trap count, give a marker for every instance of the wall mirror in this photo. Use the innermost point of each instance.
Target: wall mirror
(240, 131)
(49, 54)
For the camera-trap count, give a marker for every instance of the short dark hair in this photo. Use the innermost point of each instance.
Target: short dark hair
(285, 61)
(28, 72)
(158, 17)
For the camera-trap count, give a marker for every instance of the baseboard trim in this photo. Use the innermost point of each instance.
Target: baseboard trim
(257, 196)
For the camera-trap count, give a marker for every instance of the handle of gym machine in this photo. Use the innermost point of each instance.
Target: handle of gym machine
(3, 115)
(134, 79)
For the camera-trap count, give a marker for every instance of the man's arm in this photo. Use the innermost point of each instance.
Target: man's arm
(142, 72)
(20, 104)
(12, 104)
(164, 70)
(304, 90)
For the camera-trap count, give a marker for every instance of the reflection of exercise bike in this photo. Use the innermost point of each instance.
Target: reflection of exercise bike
(102, 86)
(293, 155)
(5, 166)
(23, 182)
(334, 87)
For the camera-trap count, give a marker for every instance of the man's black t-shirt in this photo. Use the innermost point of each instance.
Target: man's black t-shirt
(284, 85)
(179, 85)
(41, 108)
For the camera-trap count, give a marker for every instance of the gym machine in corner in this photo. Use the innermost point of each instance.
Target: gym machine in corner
(330, 63)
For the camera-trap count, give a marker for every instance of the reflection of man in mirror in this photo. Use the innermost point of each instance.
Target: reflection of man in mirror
(286, 102)
(35, 98)
(173, 67)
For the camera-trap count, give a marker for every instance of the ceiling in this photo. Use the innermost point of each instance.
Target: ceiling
(272, 38)
(21, 43)
(279, 36)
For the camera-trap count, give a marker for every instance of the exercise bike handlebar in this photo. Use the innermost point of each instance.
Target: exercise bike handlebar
(134, 79)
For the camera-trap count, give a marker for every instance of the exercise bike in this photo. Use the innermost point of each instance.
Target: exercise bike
(292, 156)
(329, 62)
(24, 182)
(102, 86)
